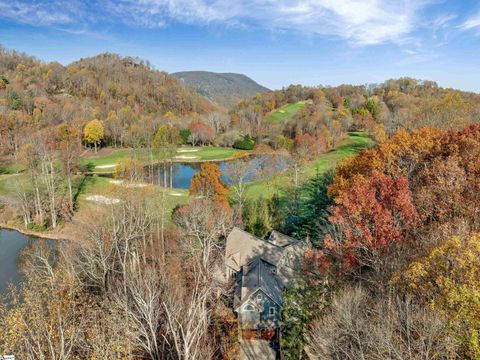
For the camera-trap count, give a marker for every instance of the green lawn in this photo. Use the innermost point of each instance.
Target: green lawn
(8, 184)
(12, 168)
(286, 111)
(347, 147)
(98, 185)
(183, 154)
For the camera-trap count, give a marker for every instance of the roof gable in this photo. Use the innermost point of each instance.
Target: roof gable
(248, 248)
(254, 277)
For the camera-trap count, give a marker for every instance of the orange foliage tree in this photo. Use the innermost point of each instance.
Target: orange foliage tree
(395, 157)
(208, 183)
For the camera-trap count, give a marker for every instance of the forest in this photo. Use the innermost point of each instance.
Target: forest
(381, 181)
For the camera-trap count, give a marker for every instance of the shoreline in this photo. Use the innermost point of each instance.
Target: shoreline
(26, 232)
(176, 161)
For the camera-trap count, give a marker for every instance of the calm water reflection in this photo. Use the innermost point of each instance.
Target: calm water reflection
(11, 245)
(180, 174)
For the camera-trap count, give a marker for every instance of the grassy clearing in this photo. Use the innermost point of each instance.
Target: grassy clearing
(184, 154)
(287, 111)
(8, 183)
(12, 168)
(97, 185)
(347, 147)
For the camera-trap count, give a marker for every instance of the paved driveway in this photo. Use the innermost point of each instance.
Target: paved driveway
(256, 350)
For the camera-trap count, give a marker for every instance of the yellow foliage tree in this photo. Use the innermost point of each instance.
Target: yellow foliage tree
(93, 132)
(448, 280)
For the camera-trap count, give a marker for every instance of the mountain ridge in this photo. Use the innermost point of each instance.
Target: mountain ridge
(225, 89)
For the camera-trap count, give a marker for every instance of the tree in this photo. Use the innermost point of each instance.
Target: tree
(200, 133)
(239, 172)
(93, 132)
(448, 280)
(204, 223)
(301, 304)
(371, 215)
(68, 146)
(208, 183)
(46, 317)
(359, 326)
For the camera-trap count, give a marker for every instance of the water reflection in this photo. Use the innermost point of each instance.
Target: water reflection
(12, 244)
(178, 175)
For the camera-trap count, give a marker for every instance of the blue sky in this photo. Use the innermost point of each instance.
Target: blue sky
(276, 42)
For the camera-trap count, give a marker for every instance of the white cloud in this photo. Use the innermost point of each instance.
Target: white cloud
(361, 22)
(43, 13)
(471, 23)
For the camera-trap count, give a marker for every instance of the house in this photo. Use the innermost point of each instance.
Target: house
(262, 269)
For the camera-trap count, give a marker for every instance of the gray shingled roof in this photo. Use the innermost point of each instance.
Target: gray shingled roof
(242, 247)
(254, 276)
(280, 239)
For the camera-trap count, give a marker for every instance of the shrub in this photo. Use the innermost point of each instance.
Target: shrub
(247, 143)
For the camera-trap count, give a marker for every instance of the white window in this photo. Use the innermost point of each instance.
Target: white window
(259, 297)
(248, 307)
(271, 311)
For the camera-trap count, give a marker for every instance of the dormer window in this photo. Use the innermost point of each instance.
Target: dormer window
(248, 307)
(259, 297)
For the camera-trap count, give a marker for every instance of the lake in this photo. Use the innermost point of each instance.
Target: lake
(180, 174)
(11, 245)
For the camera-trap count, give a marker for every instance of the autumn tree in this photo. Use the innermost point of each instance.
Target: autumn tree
(359, 326)
(370, 216)
(93, 132)
(200, 133)
(208, 183)
(68, 146)
(448, 280)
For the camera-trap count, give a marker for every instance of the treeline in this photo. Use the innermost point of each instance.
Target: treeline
(394, 269)
(132, 100)
(126, 94)
(380, 109)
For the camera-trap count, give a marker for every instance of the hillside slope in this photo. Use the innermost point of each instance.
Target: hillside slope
(225, 89)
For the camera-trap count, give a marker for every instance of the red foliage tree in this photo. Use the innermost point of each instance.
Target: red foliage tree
(371, 215)
(201, 132)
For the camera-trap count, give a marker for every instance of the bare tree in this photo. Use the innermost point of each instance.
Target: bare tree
(362, 327)
(204, 223)
(239, 172)
(188, 318)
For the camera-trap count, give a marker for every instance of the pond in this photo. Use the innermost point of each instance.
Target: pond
(178, 175)
(11, 245)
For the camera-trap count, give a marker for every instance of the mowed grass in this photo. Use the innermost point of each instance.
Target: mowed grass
(98, 185)
(11, 168)
(84, 186)
(9, 184)
(287, 111)
(183, 154)
(347, 147)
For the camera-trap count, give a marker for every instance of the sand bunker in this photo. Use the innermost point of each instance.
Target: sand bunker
(186, 150)
(127, 185)
(185, 157)
(103, 199)
(175, 194)
(110, 166)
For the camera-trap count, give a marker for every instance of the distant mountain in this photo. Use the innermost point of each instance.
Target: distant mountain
(223, 88)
